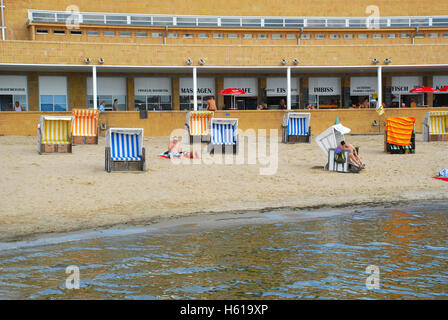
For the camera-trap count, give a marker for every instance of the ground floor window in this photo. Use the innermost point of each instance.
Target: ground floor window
(407, 100)
(362, 102)
(109, 99)
(8, 102)
(153, 102)
(275, 102)
(325, 101)
(53, 103)
(440, 100)
(240, 103)
(187, 102)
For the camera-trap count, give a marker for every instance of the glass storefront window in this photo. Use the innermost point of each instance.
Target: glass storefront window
(187, 102)
(153, 103)
(53, 103)
(109, 99)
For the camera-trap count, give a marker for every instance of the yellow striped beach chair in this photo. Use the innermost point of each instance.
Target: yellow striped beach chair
(196, 125)
(435, 126)
(85, 126)
(54, 134)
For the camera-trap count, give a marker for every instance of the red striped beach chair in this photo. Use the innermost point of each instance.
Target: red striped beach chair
(85, 126)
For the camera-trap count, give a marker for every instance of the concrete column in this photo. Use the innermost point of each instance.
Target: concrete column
(430, 96)
(195, 89)
(380, 86)
(219, 83)
(261, 88)
(288, 88)
(77, 91)
(304, 94)
(95, 87)
(33, 92)
(175, 91)
(130, 92)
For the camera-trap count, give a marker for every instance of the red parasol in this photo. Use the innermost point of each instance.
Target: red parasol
(232, 91)
(423, 90)
(444, 89)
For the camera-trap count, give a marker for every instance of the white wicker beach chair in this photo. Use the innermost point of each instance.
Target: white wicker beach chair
(296, 127)
(124, 150)
(223, 134)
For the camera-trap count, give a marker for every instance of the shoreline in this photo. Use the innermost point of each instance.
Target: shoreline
(195, 221)
(62, 193)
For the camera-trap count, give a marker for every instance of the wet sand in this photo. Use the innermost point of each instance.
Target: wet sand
(60, 193)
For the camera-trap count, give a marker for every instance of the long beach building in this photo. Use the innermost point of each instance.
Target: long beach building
(174, 55)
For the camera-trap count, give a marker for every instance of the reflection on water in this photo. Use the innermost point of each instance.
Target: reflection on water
(321, 258)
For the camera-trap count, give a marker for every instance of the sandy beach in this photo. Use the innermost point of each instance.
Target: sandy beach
(67, 192)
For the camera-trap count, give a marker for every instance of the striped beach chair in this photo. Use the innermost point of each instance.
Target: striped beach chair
(435, 126)
(54, 134)
(85, 126)
(196, 125)
(124, 150)
(400, 135)
(296, 127)
(223, 134)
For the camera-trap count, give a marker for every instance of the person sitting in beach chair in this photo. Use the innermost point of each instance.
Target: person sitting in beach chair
(352, 155)
(175, 151)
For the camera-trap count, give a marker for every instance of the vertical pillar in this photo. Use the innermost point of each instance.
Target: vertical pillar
(175, 91)
(94, 85)
(261, 90)
(288, 88)
(219, 83)
(430, 96)
(380, 86)
(195, 89)
(130, 93)
(304, 93)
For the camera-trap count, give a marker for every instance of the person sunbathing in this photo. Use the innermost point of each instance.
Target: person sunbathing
(352, 154)
(175, 151)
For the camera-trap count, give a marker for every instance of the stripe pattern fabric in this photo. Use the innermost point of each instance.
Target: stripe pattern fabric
(199, 122)
(223, 134)
(399, 130)
(85, 122)
(124, 147)
(297, 126)
(438, 122)
(56, 131)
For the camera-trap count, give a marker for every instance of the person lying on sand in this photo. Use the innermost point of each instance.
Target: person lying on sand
(175, 151)
(352, 155)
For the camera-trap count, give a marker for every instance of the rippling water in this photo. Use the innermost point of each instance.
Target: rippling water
(322, 258)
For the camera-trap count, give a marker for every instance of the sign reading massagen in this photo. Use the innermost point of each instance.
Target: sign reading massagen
(325, 86)
(13, 85)
(206, 86)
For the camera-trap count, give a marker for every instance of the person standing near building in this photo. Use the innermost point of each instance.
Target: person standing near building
(18, 107)
(102, 105)
(115, 105)
(211, 104)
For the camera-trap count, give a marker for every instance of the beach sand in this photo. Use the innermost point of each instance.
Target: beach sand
(67, 192)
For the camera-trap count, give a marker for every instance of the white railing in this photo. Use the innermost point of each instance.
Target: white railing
(235, 21)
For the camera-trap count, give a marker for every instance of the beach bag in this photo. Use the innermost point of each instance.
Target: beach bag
(443, 173)
(339, 156)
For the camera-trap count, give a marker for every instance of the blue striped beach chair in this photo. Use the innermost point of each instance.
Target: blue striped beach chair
(296, 127)
(124, 150)
(223, 134)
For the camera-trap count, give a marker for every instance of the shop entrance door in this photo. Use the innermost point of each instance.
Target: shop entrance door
(6, 102)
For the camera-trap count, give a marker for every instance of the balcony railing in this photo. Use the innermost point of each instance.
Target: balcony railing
(156, 20)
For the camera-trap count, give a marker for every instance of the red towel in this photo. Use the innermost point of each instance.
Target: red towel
(441, 178)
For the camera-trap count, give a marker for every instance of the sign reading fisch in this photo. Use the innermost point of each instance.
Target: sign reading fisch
(402, 85)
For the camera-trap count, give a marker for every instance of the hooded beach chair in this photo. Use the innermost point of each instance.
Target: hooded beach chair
(296, 127)
(400, 135)
(54, 134)
(196, 125)
(435, 126)
(328, 142)
(124, 150)
(85, 126)
(223, 134)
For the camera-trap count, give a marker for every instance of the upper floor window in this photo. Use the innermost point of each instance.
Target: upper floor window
(391, 35)
(362, 36)
(276, 36)
(232, 36)
(420, 35)
(203, 35)
(262, 36)
(348, 36)
(60, 32)
(125, 34)
(188, 35)
(109, 33)
(42, 31)
(405, 35)
(247, 36)
(433, 35)
(291, 36)
(320, 36)
(377, 36)
(156, 35)
(141, 34)
(76, 32)
(334, 36)
(217, 35)
(172, 35)
(305, 36)
(92, 33)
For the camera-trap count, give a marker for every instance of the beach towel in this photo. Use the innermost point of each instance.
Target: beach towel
(399, 130)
